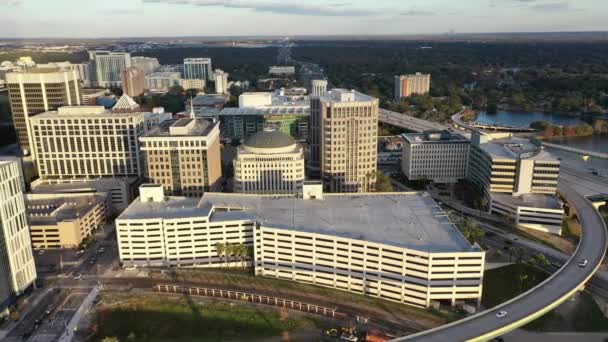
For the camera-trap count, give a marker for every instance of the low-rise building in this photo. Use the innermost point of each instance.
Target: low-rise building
(390, 149)
(193, 84)
(282, 70)
(518, 178)
(64, 220)
(438, 156)
(396, 246)
(269, 162)
(240, 123)
(183, 156)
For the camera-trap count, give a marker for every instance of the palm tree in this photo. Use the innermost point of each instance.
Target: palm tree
(220, 248)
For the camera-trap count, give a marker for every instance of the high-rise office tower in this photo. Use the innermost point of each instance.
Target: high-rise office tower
(198, 68)
(148, 65)
(319, 87)
(87, 142)
(184, 156)
(107, 66)
(36, 91)
(343, 140)
(132, 81)
(221, 81)
(407, 85)
(17, 269)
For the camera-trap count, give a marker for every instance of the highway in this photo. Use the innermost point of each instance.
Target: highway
(408, 122)
(542, 298)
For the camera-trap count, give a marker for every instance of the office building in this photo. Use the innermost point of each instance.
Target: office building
(183, 156)
(343, 140)
(64, 220)
(87, 142)
(83, 70)
(319, 87)
(148, 65)
(155, 118)
(390, 149)
(281, 70)
(162, 81)
(211, 101)
(269, 162)
(221, 81)
(37, 91)
(407, 85)
(198, 69)
(90, 96)
(107, 65)
(437, 156)
(132, 81)
(519, 179)
(193, 84)
(240, 123)
(255, 99)
(413, 254)
(17, 269)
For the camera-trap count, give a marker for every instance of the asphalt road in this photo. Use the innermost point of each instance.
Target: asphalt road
(408, 122)
(485, 324)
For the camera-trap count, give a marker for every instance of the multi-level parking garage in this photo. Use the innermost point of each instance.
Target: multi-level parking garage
(397, 246)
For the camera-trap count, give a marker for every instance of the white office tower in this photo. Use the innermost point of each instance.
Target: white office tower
(198, 69)
(107, 66)
(17, 269)
(148, 65)
(319, 87)
(221, 81)
(269, 162)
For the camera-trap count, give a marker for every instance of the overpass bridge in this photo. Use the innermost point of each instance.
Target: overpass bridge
(576, 150)
(408, 122)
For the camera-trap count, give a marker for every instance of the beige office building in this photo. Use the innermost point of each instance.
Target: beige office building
(519, 180)
(87, 142)
(17, 269)
(343, 140)
(407, 85)
(132, 80)
(36, 91)
(64, 220)
(396, 246)
(269, 162)
(184, 156)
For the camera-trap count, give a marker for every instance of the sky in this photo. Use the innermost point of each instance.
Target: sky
(140, 18)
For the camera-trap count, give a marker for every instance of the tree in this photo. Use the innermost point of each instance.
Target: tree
(540, 260)
(220, 249)
(383, 183)
(549, 132)
(540, 125)
(176, 90)
(518, 253)
(472, 231)
(110, 339)
(569, 131)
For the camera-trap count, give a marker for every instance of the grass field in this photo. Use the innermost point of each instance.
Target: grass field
(139, 318)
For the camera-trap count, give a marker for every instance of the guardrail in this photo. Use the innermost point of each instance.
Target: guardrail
(252, 298)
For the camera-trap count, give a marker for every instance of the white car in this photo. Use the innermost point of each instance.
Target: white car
(77, 276)
(583, 263)
(501, 314)
(130, 268)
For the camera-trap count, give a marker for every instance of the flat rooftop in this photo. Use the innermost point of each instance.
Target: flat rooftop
(53, 208)
(530, 200)
(434, 137)
(409, 220)
(299, 110)
(83, 112)
(200, 128)
(344, 95)
(516, 148)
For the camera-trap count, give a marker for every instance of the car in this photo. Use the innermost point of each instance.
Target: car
(79, 252)
(501, 314)
(77, 276)
(40, 252)
(583, 263)
(100, 250)
(92, 260)
(130, 268)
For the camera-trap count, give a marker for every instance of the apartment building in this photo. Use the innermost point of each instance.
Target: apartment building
(221, 81)
(36, 91)
(501, 164)
(17, 269)
(162, 81)
(64, 220)
(132, 81)
(269, 162)
(343, 140)
(438, 156)
(413, 254)
(407, 85)
(87, 142)
(106, 67)
(183, 156)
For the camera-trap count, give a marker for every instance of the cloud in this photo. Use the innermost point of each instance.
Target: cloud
(561, 6)
(278, 7)
(11, 2)
(417, 12)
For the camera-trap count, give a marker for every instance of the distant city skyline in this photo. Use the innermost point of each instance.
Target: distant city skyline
(154, 18)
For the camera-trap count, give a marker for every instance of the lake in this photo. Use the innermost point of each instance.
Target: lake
(519, 119)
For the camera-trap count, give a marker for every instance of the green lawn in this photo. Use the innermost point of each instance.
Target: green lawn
(155, 319)
(502, 284)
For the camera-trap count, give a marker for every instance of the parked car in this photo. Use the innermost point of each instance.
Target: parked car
(77, 276)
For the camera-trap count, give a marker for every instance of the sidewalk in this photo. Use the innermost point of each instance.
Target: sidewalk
(31, 303)
(86, 305)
